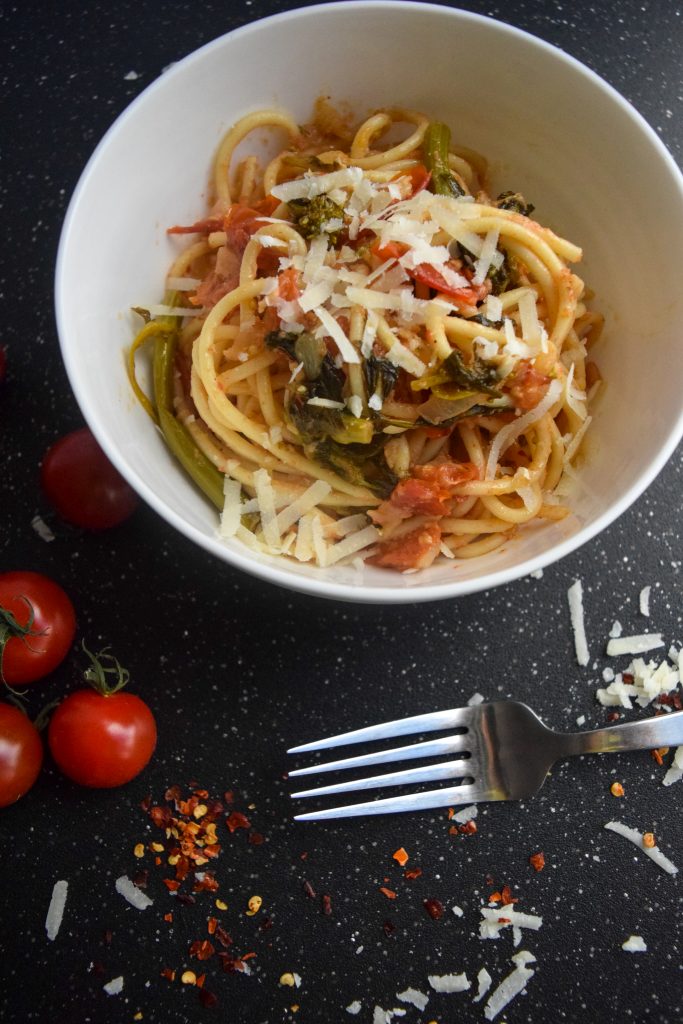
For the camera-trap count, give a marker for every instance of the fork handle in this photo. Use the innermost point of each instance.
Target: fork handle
(662, 731)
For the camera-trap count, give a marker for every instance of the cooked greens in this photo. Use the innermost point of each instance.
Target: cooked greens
(315, 217)
(435, 144)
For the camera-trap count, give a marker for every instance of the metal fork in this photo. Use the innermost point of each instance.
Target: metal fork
(505, 754)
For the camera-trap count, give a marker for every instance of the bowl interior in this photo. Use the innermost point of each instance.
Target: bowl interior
(549, 127)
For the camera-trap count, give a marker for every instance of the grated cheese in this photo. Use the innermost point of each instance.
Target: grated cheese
(675, 772)
(232, 508)
(130, 892)
(55, 912)
(644, 600)
(634, 944)
(114, 987)
(510, 987)
(484, 980)
(466, 814)
(511, 432)
(311, 497)
(310, 186)
(414, 997)
(351, 544)
(449, 982)
(634, 644)
(346, 349)
(266, 502)
(653, 852)
(575, 597)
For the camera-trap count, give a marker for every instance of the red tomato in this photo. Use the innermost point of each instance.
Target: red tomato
(102, 740)
(426, 274)
(21, 754)
(83, 486)
(414, 550)
(31, 650)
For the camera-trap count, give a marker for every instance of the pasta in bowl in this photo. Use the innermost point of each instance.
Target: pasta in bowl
(365, 373)
(363, 354)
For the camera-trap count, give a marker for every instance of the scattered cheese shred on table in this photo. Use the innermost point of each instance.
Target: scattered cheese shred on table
(449, 982)
(644, 600)
(414, 997)
(136, 897)
(497, 918)
(55, 911)
(114, 987)
(466, 814)
(675, 772)
(354, 1007)
(509, 987)
(634, 644)
(634, 944)
(484, 981)
(575, 598)
(636, 838)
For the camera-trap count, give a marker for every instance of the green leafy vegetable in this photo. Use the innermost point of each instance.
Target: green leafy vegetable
(435, 144)
(312, 216)
(360, 464)
(516, 202)
(475, 376)
(380, 376)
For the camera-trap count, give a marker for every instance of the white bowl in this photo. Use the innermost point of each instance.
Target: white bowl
(551, 128)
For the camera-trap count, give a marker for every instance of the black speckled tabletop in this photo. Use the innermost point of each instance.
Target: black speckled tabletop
(236, 670)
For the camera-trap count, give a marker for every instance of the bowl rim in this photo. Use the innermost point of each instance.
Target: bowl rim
(359, 593)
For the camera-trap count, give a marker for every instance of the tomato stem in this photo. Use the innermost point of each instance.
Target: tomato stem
(10, 628)
(102, 666)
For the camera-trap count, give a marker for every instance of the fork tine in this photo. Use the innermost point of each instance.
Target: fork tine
(430, 773)
(450, 796)
(430, 748)
(454, 718)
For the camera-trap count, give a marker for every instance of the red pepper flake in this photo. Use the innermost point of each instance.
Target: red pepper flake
(200, 981)
(171, 884)
(453, 830)
(389, 927)
(206, 884)
(389, 893)
(490, 881)
(168, 918)
(504, 920)
(303, 855)
(247, 956)
(672, 700)
(237, 820)
(146, 803)
(434, 908)
(168, 973)
(507, 895)
(161, 816)
(326, 901)
(202, 949)
(412, 873)
(613, 716)
(537, 861)
(627, 677)
(230, 963)
(451, 812)
(401, 856)
(208, 999)
(309, 890)
(223, 937)
(173, 793)
(469, 828)
(255, 838)
(211, 925)
(229, 796)
(659, 754)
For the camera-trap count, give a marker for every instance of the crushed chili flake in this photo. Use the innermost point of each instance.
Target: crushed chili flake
(469, 828)
(434, 908)
(326, 904)
(659, 754)
(188, 978)
(389, 927)
(171, 884)
(211, 925)
(616, 789)
(202, 949)
(200, 981)
(221, 904)
(504, 896)
(255, 838)
(613, 716)
(671, 700)
(223, 937)
(389, 893)
(504, 920)
(309, 890)
(303, 855)
(229, 796)
(146, 803)
(451, 812)
(627, 677)
(412, 873)
(168, 918)
(168, 973)
(207, 883)
(208, 999)
(237, 820)
(247, 956)
(401, 856)
(649, 840)
(139, 850)
(490, 881)
(453, 830)
(537, 861)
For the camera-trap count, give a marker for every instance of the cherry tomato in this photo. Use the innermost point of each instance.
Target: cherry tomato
(21, 754)
(37, 626)
(102, 737)
(83, 486)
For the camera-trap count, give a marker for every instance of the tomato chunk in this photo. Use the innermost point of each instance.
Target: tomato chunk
(527, 386)
(414, 550)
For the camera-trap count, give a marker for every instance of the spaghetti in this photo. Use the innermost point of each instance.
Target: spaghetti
(362, 355)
